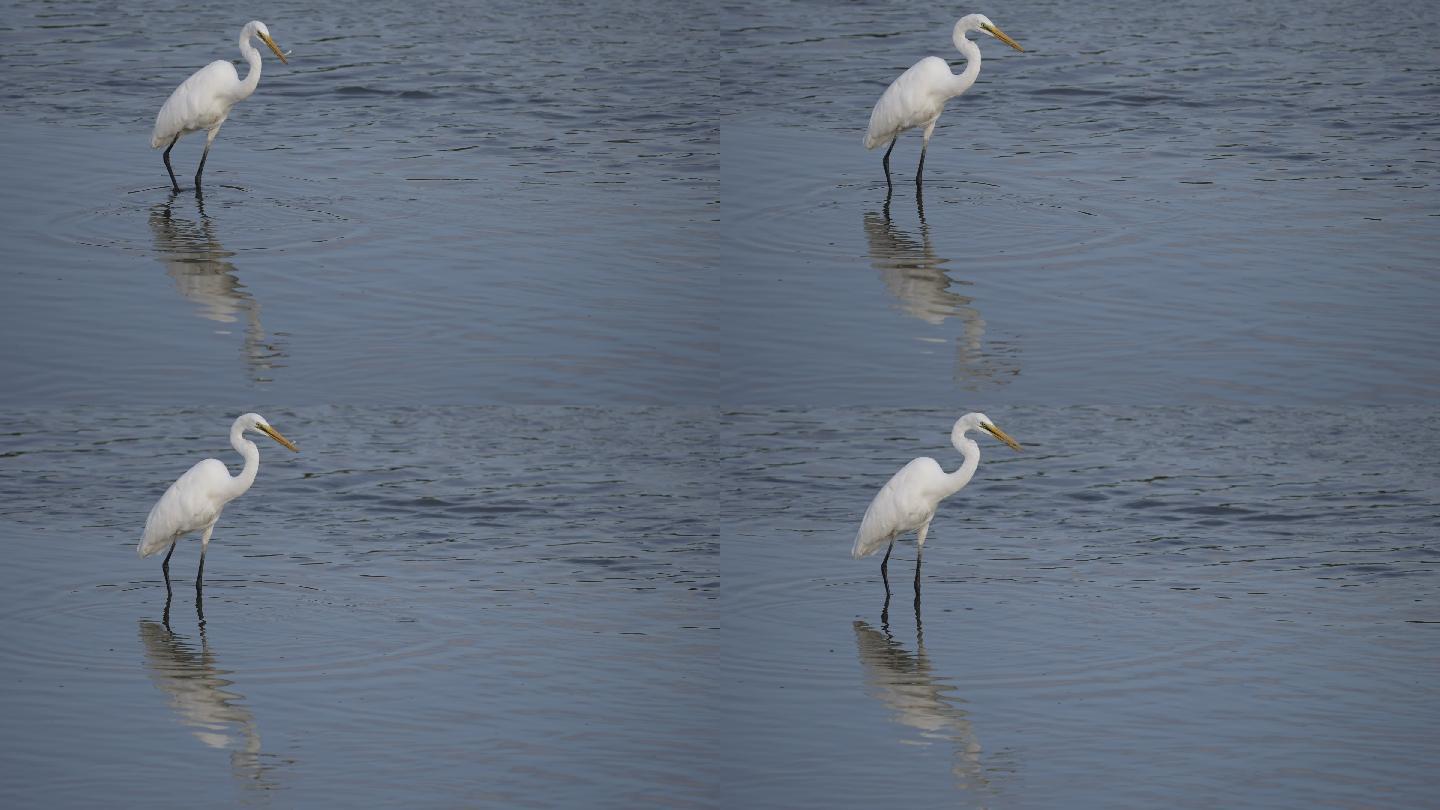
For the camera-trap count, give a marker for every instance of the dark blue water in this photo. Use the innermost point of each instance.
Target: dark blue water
(470, 205)
(1184, 253)
(1196, 606)
(1215, 202)
(429, 606)
(424, 607)
(583, 314)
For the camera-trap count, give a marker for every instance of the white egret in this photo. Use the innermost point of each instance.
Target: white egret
(193, 503)
(203, 101)
(918, 97)
(909, 499)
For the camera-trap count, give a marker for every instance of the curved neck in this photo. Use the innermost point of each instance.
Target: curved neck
(971, 52)
(252, 79)
(248, 451)
(955, 480)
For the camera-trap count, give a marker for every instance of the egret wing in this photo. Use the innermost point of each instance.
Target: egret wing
(911, 100)
(191, 503)
(902, 505)
(200, 102)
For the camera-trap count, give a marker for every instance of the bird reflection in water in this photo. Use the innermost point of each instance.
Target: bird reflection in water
(199, 694)
(200, 266)
(917, 278)
(920, 698)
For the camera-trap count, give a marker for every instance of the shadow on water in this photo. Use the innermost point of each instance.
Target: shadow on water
(917, 278)
(906, 684)
(199, 695)
(203, 274)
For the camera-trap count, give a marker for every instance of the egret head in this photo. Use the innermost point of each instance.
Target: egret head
(982, 423)
(257, 423)
(981, 23)
(255, 28)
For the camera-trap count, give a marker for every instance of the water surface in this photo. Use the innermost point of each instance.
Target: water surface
(1153, 204)
(1183, 253)
(466, 205)
(425, 607)
(1195, 606)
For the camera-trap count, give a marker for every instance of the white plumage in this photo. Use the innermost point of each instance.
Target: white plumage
(918, 96)
(194, 502)
(914, 99)
(906, 503)
(194, 106)
(909, 499)
(203, 101)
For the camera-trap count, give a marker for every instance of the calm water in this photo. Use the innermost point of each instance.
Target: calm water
(425, 607)
(1153, 204)
(1223, 209)
(471, 204)
(1167, 606)
(473, 260)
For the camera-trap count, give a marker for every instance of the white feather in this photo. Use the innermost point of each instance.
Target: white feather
(909, 499)
(914, 99)
(906, 502)
(201, 102)
(194, 502)
(917, 97)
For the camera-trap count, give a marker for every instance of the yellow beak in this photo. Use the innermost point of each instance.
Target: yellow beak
(1000, 35)
(1001, 435)
(276, 48)
(275, 434)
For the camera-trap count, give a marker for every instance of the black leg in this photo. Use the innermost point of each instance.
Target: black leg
(173, 182)
(165, 566)
(918, 552)
(921, 170)
(884, 574)
(887, 161)
(200, 572)
(201, 170)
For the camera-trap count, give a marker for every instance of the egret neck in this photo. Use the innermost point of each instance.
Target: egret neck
(241, 483)
(955, 481)
(971, 52)
(252, 58)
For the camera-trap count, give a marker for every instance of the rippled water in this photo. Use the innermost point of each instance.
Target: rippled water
(1152, 204)
(1184, 252)
(477, 204)
(425, 607)
(1193, 606)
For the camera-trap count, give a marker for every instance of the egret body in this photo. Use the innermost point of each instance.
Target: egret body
(918, 96)
(909, 499)
(204, 100)
(193, 503)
